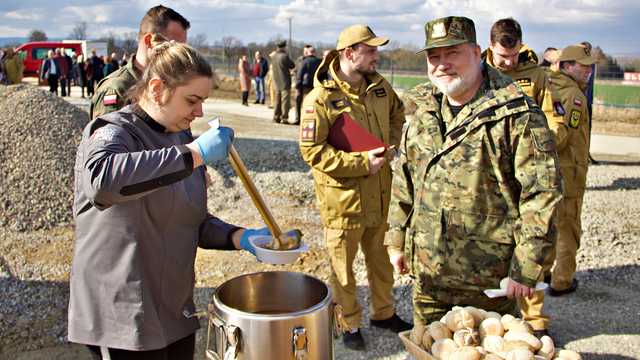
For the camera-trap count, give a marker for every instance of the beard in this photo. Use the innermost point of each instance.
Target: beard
(362, 70)
(460, 84)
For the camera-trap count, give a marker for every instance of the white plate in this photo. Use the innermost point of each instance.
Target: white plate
(275, 256)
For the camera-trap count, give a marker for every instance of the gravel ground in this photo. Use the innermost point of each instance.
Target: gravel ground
(600, 320)
(39, 133)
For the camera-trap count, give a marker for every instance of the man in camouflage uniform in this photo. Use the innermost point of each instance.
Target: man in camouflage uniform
(476, 184)
(159, 24)
(353, 188)
(511, 57)
(569, 121)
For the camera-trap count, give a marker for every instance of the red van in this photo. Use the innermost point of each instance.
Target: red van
(37, 51)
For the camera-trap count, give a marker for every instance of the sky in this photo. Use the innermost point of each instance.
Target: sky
(611, 24)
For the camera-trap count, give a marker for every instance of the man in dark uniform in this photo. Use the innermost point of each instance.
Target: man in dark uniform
(304, 77)
(159, 24)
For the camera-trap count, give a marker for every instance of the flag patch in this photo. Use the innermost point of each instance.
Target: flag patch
(309, 110)
(308, 131)
(577, 102)
(110, 99)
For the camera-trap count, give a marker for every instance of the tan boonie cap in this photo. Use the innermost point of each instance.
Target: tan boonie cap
(577, 53)
(449, 31)
(356, 34)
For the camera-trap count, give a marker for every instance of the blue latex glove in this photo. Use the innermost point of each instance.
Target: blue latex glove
(246, 244)
(244, 240)
(214, 144)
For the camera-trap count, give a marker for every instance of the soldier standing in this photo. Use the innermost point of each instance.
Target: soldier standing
(353, 188)
(569, 120)
(476, 184)
(282, 66)
(159, 24)
(510, 56)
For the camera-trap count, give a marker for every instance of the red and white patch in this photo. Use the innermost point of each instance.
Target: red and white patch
(577, 102)
(308, 131)
(309, 110)
(110, 99)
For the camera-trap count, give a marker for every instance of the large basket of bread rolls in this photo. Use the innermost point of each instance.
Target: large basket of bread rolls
(474, 334)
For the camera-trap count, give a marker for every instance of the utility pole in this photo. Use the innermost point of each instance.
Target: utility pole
(290, 43)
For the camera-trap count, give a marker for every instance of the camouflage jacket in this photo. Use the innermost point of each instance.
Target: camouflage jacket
(111, 92)
(473, 196)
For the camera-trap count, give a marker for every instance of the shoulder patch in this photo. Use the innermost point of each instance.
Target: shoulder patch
(524, 82)
(340, 104)
(381, 92)
(558, 109)
(577, 102)
(104, 134)
(309, 110)
(308, 130)
(574, 122)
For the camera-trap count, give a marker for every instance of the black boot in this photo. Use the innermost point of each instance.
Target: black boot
(394, 323)
(353, 341)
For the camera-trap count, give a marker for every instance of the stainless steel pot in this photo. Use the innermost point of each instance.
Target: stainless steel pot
(275, 315)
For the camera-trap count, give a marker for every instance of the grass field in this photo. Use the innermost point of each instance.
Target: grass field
(618, 95)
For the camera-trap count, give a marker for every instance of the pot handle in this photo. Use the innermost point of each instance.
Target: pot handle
(339, 323)
(300, 350)
(226, 339)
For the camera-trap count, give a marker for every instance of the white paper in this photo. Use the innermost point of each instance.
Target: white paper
(494, 293)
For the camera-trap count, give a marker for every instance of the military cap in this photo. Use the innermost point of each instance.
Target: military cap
(577, 53)
(281, 43)
(356, 34)
(449, 31)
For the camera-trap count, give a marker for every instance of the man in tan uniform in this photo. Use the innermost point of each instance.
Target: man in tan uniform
(353, 188)
(510, 56)
(159, 24)
(568, 119)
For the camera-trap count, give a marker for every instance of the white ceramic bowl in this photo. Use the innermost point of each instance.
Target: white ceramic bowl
(275, 256)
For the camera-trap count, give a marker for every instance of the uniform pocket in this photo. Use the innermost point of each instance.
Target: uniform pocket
(478, 250)
(341, 196)
(545, 158)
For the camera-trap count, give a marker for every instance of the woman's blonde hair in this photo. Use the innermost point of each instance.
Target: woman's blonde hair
(175, 64)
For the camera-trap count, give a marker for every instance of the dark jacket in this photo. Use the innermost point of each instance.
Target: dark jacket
(140, 211)
(304, 78)
(47, 65)
(260, 68)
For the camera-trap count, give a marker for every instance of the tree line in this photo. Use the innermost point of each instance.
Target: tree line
(224, 53)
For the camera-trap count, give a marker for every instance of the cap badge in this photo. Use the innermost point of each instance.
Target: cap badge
(438, 31)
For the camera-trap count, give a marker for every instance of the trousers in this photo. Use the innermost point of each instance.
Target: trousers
(569, 232)
(342, 245)
(282, 106)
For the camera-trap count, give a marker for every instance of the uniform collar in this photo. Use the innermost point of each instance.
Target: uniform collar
(132, 69)
(151, 122)
(526, 58)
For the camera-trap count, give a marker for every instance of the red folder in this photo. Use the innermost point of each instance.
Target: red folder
(347, 135)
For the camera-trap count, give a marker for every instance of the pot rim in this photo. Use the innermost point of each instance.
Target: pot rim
(219, 306)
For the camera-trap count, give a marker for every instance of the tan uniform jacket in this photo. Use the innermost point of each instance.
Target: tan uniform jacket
(528, 75)
(347, 196)
(117, 84)
(568, 118)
